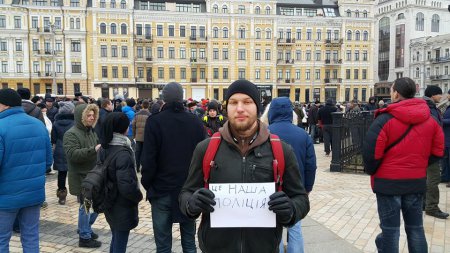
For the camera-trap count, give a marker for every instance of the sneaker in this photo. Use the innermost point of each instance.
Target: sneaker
(93, 235)
(89, 243)
(438, 214)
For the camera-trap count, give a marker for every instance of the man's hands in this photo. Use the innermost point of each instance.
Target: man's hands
(282, 205)
(201, 201)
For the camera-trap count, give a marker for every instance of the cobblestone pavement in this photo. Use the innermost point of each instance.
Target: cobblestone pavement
(342, 202)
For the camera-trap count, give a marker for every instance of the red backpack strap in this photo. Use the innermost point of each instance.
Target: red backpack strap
(278, 160)
(208, 159)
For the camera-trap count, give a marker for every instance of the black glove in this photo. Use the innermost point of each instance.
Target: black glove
(201, 200)
(282, 205)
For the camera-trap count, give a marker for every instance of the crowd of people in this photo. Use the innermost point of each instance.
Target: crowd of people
(169, 141)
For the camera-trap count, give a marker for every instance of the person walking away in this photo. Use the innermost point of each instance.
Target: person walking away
(80, 147)
(25, 154)
(28, 106)
(398, 165)
(326, 122)
(105, 109)
(138, 125)
(243, 156)
(129, 110)
(170, 138)
(433, 95)
(313, 120)
(64, 120)
(280, 123)
(125, 195)
(300, 114)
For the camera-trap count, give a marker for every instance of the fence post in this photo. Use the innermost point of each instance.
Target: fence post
(336, 142)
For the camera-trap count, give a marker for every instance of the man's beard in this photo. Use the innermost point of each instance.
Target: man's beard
(242, 126)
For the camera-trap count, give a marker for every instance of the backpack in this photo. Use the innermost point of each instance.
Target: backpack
(278, 164)
(94, 188)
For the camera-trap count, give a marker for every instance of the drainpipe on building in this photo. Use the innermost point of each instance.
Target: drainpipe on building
(30, 67)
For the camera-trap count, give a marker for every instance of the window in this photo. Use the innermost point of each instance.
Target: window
(420, 19)
(225, 32)
(104, 72)
(308, 55)
(113, 28)
(35, 45)
(18, 45)
(34, 22)
(356, 74)
(215, 53)
(317, 74)
(183, 73)
(216, 73)
(171, 30)
(417, 73)
(182, 31)
(74, 3)
(356, 55)
(258, 54)
(241, 33)
(268, 55)
(215, 8)
(123, 29)
(347, 73)
(318, 55)
(160, 52)
(148, 52)
(365, 35)
(365, 14)
(298, 35)
(258, 10)
(77, 23)
(267, 74)
(57, 22)
(2, 21)
(139, 52)
(401, 16)
(138, 29)
(225, 54)
(75, 46)
(308, 34)
(114, 51)
(76, 67)
(319, 34)
(171, 53)
(4, 66)
(36, 66)
(123, 4)
(224, 9)
(356, 14)
(159, 30)
(308, 74)
(357, 36)
(59, 67)
(102, 4)
(267, 10)
(241, 9)
(215, 32)
(160, 73)
(115, 72)
(17, 22)
(113, 4)
(298, 55)
(241, 54)
(182, 53)
(349, 13)
(364, 74)
(268, 34)
(349, 35)
(241, 73)
(364, 55)
(172, 73)
(258, 33)
(225, 73)
(435, 23)
(124, 52)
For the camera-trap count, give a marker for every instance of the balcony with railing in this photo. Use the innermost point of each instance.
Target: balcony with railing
(286, 41)
(445, 77)
(435, 77)
(147, 60)
(332, 80)
(440, 59)
(285, 62)
(198, 39)
(199, 61)
(336, 42)
(333, 61)
(144, 38)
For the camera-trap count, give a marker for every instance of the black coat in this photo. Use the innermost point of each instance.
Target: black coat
(170, 138)
(51, 113)
(125, 192)
(98, 127)
(63, 122)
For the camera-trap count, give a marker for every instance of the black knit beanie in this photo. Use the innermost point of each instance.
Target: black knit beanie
(213, 105)
(115, 122)
(10, 97)
(432, 90)
(245, 87)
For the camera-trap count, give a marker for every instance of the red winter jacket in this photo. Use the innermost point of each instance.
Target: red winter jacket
(402, 169)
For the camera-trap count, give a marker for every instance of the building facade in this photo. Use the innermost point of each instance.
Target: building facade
(398, 24)
(307, 50)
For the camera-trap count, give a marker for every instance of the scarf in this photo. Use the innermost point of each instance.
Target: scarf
(122, 140)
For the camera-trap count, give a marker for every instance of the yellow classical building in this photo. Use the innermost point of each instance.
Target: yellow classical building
(306, 50)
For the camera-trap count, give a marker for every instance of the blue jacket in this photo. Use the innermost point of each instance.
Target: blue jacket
(446, 124)
(130, 114)
(280, 123)
(25, 153)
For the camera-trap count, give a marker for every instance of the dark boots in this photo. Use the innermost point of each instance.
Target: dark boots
(61, 194)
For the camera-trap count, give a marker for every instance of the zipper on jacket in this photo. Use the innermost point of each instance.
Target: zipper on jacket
(243, 168)
(242, 240)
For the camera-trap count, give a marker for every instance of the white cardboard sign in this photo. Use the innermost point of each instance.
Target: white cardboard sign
(242, 205)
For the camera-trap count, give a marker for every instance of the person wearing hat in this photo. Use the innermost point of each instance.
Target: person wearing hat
(170, 137)
(214, 120)
(122, 214)
(30, 107)
(26, 153)
(51, 109)
(243, 156)
(326, 124)
(64, 120)
(445, 176)
(433, 95)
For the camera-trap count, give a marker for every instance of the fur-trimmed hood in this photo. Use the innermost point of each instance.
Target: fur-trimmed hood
(81, 111)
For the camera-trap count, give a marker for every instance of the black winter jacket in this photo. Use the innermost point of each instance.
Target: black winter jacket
(125, 192)
(98, 127)
(51, 113)
(255, 167)
(31, 109)
(324, 114)
(63, 122)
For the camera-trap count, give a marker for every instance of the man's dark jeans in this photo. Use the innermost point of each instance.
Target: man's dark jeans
(327, 134)
(138, 154)
(389, 207)
(162, 227)
(432, 195)
(445, 175)
(119, 241)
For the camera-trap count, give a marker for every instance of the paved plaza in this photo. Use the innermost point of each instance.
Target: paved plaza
(343, 218)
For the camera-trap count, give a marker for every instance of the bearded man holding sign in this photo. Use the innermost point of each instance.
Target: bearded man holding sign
(234, 186)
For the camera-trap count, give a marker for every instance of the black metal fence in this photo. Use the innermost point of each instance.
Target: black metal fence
(349, 131)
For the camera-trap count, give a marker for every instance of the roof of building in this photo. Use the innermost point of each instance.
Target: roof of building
(317, 3)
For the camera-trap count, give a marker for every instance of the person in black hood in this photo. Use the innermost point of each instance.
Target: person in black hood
(105, 108)
(213, 120)
(372, 105)
(123, 184)
(29, 107)
(326, 123)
